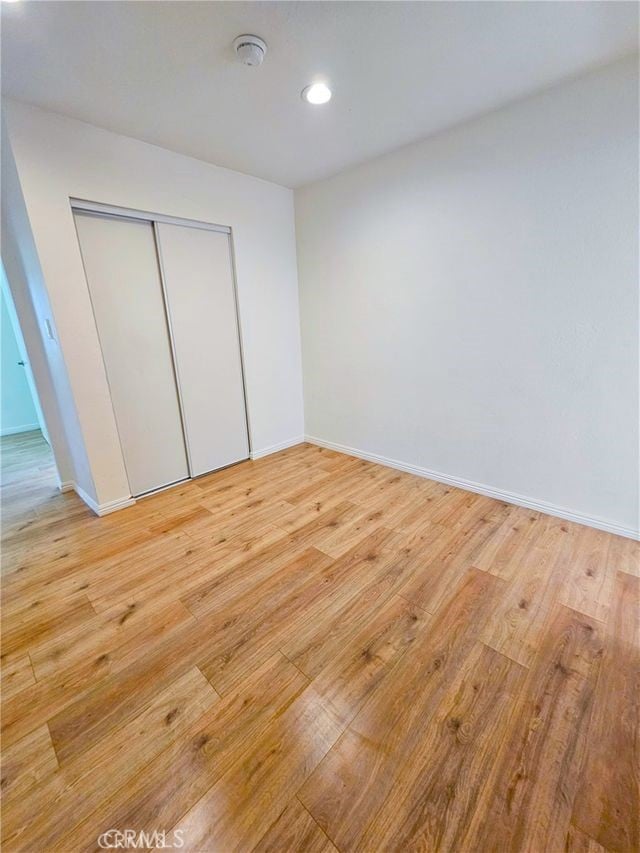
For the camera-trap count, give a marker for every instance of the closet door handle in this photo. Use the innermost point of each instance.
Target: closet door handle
(21, 363)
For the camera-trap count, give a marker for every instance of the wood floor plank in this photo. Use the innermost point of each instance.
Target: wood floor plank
(238, 810)
(94, 775)
(108, 639)
(16, 673)
(520, 621)
(444, 566)
(450, 765)
(227, 581)
(254, 635)
(180, 775)
(624, 555)
(367, 656)
(28, 763)
(313, 652)
(317, 641)
(353, 782)
(503, 551)
(36, 623)
(33, 706)
(338, 541)
(237, 631)
(579, 842)
(587, 584)
(607, 805)
(527, 800)
(118, 697)
(296, 832)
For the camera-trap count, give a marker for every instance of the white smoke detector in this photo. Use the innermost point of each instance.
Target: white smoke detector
(251, 50)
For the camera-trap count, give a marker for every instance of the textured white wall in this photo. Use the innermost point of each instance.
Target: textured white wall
(470, 303)
(58, 158)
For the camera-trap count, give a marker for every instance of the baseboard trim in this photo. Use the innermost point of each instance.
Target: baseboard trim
(482, 489)
(16, 430)
(114, 506)
(99, 509)
(67, 486)
(274, 448)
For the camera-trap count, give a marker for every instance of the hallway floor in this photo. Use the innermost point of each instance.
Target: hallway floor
(29, 480)
(311, 652)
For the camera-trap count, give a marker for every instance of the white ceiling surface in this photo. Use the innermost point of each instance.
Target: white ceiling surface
(165, 72)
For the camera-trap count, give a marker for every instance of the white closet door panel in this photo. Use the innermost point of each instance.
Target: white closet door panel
(121, 266)
(198, 280)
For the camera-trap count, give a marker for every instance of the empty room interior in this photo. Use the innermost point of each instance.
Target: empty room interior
(320, 426)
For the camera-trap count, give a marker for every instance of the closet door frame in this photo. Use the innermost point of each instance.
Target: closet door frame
(153, 218)
(146, 215)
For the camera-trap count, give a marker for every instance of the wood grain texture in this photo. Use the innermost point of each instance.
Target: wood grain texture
(453, 758)
(311, 652)
(367, 769)
(578, 842)
(526, 804)
(609, 790)
(296, 832)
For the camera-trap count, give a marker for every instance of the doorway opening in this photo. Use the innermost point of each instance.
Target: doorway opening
(29, 474)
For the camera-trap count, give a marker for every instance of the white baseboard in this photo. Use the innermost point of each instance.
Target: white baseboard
(99, 509)
(114, 506)
(274, 448)
(18, 429)
(482, 489)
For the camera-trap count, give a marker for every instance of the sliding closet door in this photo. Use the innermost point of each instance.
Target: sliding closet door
(198, 280)
(121, 266)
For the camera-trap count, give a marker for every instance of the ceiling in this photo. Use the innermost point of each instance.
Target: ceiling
(166, 73)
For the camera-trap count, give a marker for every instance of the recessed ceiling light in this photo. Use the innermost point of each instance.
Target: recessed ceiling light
(317, 93)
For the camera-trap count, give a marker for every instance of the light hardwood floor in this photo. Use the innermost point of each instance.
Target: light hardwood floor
(311, 652)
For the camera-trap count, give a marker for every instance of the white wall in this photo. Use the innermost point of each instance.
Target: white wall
(470, 303)
(58, 158)
(25, 281)
(17, 410)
